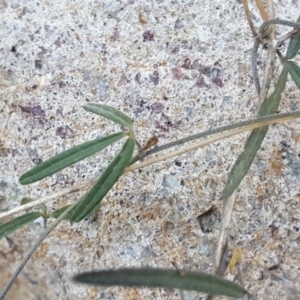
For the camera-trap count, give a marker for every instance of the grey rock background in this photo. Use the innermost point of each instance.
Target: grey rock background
(177, 68)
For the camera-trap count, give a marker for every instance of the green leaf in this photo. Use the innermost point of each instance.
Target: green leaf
(26, 200)
(110, 113)
(93, 198)
(256, 138)
(59, 211)
(44, 210)
(294, 71)
(294, 45)
(271, 104)
(68, 158)
(162, 278)
(15, 224)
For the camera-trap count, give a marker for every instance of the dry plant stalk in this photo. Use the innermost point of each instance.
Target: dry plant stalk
(221, 254)
(262, 10)
(249, 19)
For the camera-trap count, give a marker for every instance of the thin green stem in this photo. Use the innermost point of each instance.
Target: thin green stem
(254, 65)
(32, 250)
(258, 41)
(277, 22)
(215, 131)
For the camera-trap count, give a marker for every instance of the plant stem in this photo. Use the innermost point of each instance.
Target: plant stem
(258, 41)
(248, 16)
(268, 119)
(254, 123)
(32, 250)
(254, 65)
(277, 22)
(58, 194)
(218, 133)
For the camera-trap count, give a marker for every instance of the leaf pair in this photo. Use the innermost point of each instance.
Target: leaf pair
(91, 201)
(80, 152)
(110, 176)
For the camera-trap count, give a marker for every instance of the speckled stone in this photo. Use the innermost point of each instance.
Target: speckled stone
(177, 68)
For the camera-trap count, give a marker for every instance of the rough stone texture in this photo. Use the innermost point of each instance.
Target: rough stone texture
(176, 67)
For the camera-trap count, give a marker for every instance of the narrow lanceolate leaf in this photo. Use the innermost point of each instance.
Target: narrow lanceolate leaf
(256, 138)
(161, 278)
(93, 198)
(294, 45)
(110, 113)
(294, 71)
(15, 224)
(59, 211)
(68, 158)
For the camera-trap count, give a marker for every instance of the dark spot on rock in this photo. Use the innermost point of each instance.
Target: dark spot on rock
(103, 49)
(272, 268)
(207, 71)
(4, 152)
(115, 36)
(176, 72)
(123, 80)
(61, 84)
(218, 82)
(186, 64)
(65, 132)
(63, 180)
(178, 163)
(42, 52)
(198, 66)
(284, 145)
(201, 83)
(155, 77)
(209, 220)
(215, 75)
(148, 36)
(38, 64)
(179, 24)
(35, 110)
(3, 184)
(157, 108)
(158, 125)
(57, 43)
(31, 88)
(274, 227)
(175, 50)
(33, 153)
(13, 49)
(141, 107)
(175, 124)
(37, 161)
(59, 111)
(138, 78)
